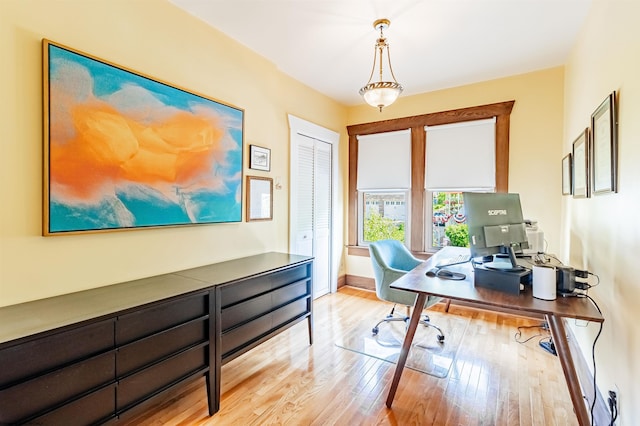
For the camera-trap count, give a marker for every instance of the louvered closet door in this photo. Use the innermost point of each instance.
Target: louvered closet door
(311, 206)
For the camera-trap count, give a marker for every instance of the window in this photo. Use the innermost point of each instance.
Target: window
(384, 216)
(469, 148)
(419, 211)
(384, 178)
(448, 221)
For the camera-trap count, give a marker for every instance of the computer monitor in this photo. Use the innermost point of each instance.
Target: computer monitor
(495, 226)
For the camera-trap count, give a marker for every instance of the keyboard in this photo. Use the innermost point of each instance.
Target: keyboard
(461, 258)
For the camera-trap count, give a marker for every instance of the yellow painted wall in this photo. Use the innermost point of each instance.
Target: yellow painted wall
(535, 140)
(157, 39)
(601, 233)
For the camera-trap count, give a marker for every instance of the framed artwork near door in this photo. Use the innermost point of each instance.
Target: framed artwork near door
(259, 198)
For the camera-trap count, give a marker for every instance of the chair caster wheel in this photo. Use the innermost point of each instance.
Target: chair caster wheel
(374, 330)
(440, 338)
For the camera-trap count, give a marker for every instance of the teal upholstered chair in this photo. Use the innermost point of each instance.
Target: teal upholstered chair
(391, 260)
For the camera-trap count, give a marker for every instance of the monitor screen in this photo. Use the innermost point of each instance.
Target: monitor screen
(496, 224)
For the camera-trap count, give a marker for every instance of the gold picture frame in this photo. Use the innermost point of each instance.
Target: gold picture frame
(259, 198)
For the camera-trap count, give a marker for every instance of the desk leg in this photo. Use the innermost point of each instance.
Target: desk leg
(406, 345)
(559, 334)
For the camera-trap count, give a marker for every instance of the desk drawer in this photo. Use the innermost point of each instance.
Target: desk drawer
(47, 353)
(145, 322)
(41, 393)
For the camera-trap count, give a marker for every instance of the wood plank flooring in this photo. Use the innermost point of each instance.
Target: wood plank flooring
(495, 380)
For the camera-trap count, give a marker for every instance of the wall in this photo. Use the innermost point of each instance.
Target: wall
(157, 39)
(601, 233)
(535, 140)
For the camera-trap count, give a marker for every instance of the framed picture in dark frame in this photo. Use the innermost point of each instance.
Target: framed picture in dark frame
(581, 165)
(605, 146)
(259, 158)
(567, 179)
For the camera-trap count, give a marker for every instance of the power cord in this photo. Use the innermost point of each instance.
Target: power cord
(518, 334)
(593, 354)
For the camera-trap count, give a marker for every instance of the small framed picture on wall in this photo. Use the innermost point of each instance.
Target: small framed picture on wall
(605, 146)
(581, 165)
(259, 158)
(567, 188)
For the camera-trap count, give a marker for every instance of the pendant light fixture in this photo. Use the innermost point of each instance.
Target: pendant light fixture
(381, 93)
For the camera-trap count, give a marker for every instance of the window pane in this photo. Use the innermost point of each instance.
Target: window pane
(385, 216)
(449, 223)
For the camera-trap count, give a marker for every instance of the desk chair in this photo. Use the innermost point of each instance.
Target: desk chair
(391, 260)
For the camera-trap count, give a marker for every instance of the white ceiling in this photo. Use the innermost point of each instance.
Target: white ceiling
(435, 44)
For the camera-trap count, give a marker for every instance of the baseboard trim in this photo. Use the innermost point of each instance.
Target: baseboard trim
(360, 282)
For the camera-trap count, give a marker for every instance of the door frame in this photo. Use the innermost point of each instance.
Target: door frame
(298, 126)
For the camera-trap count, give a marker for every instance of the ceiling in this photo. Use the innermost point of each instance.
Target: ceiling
(435, 44)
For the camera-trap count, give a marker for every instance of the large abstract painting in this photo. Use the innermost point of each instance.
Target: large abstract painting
(125, 151)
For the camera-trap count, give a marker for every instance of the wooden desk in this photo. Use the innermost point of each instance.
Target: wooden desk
(554, 311)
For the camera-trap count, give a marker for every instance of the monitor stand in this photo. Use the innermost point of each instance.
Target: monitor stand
(508, 281)
(510, 266)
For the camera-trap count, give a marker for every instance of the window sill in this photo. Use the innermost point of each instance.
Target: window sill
(364, 252)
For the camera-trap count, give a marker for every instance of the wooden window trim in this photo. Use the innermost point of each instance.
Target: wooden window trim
(502, 112)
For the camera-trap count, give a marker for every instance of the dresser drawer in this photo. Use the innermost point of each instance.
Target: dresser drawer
(39, 394)
(252, 287)
(97, 407)
(241, 336)
(147, 321)
(47, 353)
(234, 315)
(148, 350)
(146, 383)
(291, 292)
(290, 312)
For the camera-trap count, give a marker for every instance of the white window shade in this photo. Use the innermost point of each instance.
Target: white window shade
(384, 160)
(461, 156)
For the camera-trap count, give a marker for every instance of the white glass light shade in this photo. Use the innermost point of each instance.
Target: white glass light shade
(381, 94)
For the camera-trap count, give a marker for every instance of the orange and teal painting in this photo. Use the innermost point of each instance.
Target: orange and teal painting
(124, 151)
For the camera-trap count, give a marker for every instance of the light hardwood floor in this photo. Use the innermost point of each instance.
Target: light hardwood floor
(494, 381)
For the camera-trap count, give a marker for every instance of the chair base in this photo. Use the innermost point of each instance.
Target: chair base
(424, 320)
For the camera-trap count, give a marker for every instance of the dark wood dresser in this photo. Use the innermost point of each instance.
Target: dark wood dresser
(101, 355)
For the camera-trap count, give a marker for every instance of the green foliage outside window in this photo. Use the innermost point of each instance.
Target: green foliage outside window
(378, 228)
(458, 235)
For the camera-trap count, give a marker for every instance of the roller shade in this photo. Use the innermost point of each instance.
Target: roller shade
(461, 156)
(384, 161)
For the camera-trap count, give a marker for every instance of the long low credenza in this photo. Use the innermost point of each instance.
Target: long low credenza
(101, 355)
